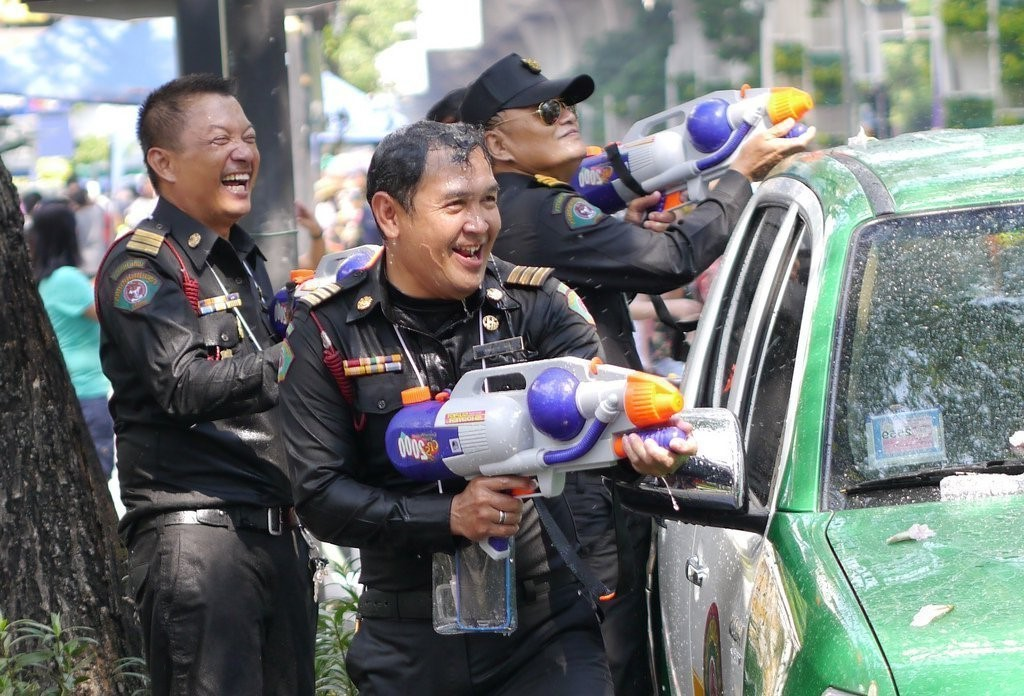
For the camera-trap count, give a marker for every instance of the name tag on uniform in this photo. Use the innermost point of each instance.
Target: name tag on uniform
(507, 346)
(221, 303)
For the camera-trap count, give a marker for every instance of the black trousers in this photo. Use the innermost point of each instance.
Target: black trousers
(625, 616)
(225, 611)
(555, 651)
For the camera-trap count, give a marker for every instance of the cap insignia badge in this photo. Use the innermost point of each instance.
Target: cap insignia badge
(532, 65)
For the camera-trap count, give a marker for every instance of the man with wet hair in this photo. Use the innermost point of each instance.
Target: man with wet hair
(432, 305)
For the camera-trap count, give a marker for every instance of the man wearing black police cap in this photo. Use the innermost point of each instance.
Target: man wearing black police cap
(532, 134)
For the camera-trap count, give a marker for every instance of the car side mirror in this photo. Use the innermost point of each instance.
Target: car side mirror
(711, 487)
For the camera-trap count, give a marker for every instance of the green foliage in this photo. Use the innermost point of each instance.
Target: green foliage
(818, 7)
(91, 149)
(335, 629)
(789, 58)
(963, 16)
(734, 26)
(367, 27)
(969, 112)
(908, 83)
(635, 78)
(48, 659)
(1011, 49)
(827, 78)
(39, 659)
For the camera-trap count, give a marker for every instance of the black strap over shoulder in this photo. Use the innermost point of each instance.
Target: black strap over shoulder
(680, 348)
(622, 171)
(595, 589)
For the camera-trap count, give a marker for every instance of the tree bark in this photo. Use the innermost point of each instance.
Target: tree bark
(59, 550)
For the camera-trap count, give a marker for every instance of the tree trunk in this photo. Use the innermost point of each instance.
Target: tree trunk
(59, 550)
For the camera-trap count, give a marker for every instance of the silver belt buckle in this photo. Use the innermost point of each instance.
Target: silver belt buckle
(275, 523)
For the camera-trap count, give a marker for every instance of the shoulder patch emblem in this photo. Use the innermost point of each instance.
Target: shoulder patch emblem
(575, 303)
(558, 205)
(287, 355)
(530, 276)
(135, 289)
(580, 214)
(125, 266)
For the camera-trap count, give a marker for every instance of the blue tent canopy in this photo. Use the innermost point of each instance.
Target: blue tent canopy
(81, 59)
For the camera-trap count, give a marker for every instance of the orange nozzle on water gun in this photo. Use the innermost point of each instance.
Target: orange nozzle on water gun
(650, 400)
(788, 102)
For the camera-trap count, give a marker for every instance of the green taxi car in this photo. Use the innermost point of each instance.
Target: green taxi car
(866, 331)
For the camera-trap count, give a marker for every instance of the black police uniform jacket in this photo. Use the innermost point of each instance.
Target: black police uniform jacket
(346, 490)
(605, 259)
(192, 397)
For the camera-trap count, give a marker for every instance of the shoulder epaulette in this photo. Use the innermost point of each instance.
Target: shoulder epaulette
(530, 276)
(548, 180)
(147, 238)
(320, 294)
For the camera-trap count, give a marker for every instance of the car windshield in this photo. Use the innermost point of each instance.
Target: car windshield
(929, 359)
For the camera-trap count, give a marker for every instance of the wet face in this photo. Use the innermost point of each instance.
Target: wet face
(212, 170)
(439, 248)
(522, 142)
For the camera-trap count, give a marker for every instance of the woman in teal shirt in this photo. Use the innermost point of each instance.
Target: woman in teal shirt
(68, 298)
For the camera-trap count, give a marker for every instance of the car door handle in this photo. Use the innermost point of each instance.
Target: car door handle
(696, 572)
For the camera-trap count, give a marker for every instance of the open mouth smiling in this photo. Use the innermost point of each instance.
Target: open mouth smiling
(236, 183)
(472, 252)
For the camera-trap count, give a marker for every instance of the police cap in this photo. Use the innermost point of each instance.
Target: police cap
(513, 82)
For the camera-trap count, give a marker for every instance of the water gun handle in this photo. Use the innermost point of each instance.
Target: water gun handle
(663, 436)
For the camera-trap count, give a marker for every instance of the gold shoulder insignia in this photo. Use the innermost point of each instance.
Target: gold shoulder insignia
(530, 276)
(320, 294)
(531, 65)
(146, 241)
(548, 180)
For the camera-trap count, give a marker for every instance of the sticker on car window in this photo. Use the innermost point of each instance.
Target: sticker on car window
(906, 437)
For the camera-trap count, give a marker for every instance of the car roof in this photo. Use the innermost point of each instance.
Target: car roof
(918, 172)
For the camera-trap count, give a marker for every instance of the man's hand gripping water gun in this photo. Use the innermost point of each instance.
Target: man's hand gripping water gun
(568, 414)
(749, 130)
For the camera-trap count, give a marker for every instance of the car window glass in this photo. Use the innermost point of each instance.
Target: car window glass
(716, 390)
(929, 362)
(764, 413)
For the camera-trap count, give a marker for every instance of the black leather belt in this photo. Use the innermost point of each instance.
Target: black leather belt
(273, 520)
(375, 604)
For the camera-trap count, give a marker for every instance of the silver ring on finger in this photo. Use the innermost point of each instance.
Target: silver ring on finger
(501, 517)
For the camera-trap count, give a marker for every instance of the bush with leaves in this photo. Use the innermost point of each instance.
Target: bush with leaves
(38, 659)
(49, 659)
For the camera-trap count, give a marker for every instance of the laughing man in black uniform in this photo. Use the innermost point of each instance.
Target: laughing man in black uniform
(431, 306)
(533, 135)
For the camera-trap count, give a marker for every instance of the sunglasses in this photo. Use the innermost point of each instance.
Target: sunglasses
(549, 111)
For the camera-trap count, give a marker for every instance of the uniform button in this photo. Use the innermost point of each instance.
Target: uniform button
(239, 281)
(381, 404)
(224, 337)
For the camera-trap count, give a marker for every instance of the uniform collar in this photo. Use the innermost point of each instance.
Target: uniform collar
(195, 239)
(371, 292)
